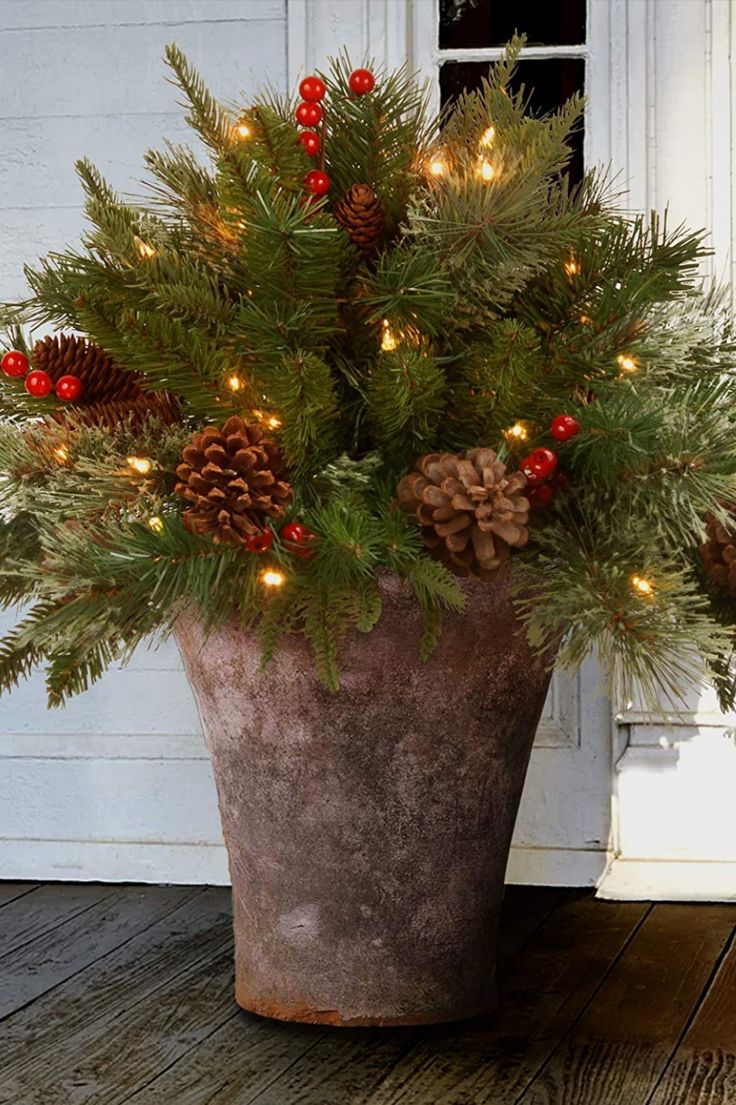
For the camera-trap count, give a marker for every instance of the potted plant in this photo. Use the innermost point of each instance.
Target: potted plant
(381, 419)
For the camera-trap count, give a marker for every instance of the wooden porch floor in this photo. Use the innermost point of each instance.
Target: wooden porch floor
(124, 994)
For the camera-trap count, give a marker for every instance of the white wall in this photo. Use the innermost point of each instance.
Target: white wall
(112, 785)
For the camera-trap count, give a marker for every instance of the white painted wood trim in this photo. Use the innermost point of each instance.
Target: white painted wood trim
(629, 880)
(195, 864)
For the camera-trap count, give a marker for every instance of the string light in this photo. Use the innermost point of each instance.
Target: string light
(144, 249)
(141, 465)
(627, 363)
(273, 422)
(487, 172)
(572, 266)
(584, 319)
(642, 586)
(156, 523)
(243, 130)
(488, 135)
(389, 340)
(517, 432)
(235, 383)
(62, 454)
(272, 578)
(437, 167)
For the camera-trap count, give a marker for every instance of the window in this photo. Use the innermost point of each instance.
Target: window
(471, 34)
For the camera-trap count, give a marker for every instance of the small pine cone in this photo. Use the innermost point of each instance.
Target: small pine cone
(158, 405)
(103, 381)
(234, 479)
(472, 511)
(360, 214)
(718, 551)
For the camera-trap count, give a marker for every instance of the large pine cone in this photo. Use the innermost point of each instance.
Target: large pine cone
(234, 479)
(360, 214)
(718, 551)
(111, 394)
(472, 511)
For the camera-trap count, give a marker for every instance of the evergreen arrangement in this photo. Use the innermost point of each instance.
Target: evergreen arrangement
(357, 342)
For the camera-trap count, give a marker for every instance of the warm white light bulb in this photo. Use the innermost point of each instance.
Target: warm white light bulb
(642, 586)
(156, 523)
(145, 251)
(437, 167)
(572, 266)
(627, 363)
(61, 453)
(242, 130)
(141, 465)
(273, 422)
(389, 340)
(272, 577)
(487, 172)
(517, 432)
(234, 382)
(488, 135)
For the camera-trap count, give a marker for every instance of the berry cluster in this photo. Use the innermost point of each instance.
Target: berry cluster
(297, 539)
(540, 467)
(309, 114)
(38, 383)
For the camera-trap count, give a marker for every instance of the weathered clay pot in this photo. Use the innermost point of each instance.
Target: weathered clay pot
(368, 830)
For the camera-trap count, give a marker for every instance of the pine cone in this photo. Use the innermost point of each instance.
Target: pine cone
(718, 551)
(360, 214)
(234, 479)
(110, 394)
(472, 511)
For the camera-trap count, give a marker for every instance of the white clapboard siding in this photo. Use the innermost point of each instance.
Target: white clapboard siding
(117, 785)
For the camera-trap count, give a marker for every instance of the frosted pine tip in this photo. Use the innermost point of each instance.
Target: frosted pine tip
(488, 135)
(642, 586)
(389, 340)
(156, 523)
(517, 432)
(627, 363)
(141, 465)
(234, 382)
(272, 578)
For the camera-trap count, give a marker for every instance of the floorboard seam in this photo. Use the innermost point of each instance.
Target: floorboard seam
(86, 967)
(21, 894)
(519, 1099)
(47, 932)
(727, 946)
(285, 1071)
(175, 1062)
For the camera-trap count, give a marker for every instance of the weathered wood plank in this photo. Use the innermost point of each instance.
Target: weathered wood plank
(28, 917)
(351, 1067)
(703, 1069)
(52, 958)
(10, 891)
(55, 1030)
(622, 1043)
(111, 1060)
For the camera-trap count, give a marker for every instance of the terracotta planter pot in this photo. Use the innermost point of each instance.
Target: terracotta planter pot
(368, 830)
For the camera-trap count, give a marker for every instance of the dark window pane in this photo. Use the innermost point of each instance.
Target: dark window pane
(547, 84)
(469, 23)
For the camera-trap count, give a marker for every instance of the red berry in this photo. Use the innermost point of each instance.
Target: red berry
(541, 496)
(259, 542)
(564, 426)
(312, 89)
(38, 383)
(14, 363)
(533, 471)
(298, 539)
(310, 140)
(317, 182)
(361, 81)
(69, 388)
(546, 460)
(308, 114)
